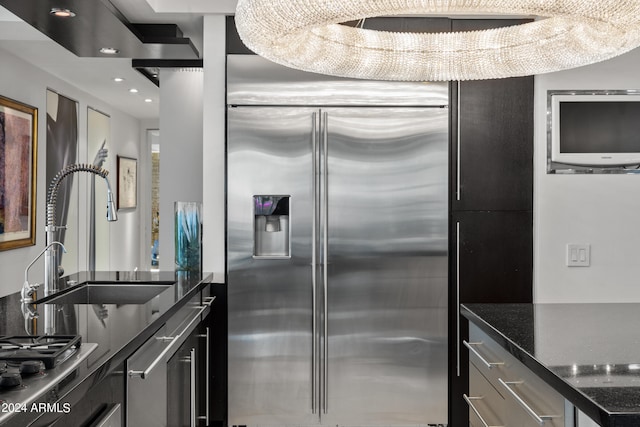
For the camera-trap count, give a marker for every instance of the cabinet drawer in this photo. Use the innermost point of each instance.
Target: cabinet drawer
(528, 400)
(486, 405)
(487, 359)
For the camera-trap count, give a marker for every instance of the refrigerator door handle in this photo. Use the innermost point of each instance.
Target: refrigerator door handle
(325, 248)
(314, 264)
(457, 309)
(458, 148)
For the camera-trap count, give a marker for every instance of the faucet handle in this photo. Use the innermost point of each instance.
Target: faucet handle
(26, 294)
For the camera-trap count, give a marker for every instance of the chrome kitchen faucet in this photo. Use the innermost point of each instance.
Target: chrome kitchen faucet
(51, 268)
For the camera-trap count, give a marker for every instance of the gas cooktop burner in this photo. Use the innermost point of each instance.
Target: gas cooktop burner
(10, 380)
(48, 349)
(14, 372)
(30, 367)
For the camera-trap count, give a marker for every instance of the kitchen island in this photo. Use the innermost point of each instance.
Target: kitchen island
(587, 353)
(118, 325)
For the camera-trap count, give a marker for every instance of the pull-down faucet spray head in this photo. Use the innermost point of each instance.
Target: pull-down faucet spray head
(112, 212)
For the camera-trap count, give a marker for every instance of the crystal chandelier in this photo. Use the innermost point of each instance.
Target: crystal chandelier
(307, 35)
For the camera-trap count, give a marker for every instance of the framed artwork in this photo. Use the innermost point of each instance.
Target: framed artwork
(18, 166)
(127, 182)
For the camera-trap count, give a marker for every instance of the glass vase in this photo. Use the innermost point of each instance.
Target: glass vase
(188, 236)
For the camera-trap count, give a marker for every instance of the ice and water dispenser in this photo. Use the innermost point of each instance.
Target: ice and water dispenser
(271, 226)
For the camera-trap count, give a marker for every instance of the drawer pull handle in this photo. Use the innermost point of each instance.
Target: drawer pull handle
(474, 409)
(174, 341)
(486, 363)
(540, 419)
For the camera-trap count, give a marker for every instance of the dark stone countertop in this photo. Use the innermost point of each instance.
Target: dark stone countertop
(589, 353)
(118, 329)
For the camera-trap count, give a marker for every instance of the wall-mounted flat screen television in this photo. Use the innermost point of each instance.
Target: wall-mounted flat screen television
(598, 129)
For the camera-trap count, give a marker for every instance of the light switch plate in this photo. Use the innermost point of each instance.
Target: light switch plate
(578, 255)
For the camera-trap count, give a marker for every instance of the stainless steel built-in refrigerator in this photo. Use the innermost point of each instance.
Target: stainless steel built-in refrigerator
(337, 265)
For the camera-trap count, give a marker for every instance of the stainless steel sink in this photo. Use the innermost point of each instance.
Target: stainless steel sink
(107, 293)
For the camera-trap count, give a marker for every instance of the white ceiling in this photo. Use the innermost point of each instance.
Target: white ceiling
(95, 75)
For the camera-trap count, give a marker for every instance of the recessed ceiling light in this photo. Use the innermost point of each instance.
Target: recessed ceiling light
(118, 79)
(148, 100)
(61, 13)
(133, 90)
(109, 50)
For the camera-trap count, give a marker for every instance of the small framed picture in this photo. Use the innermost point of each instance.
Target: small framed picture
(127, 182)
(18, 165)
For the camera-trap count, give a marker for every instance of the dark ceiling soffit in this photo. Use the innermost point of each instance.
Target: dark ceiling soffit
(150, 73)
(99, 24)
(167, 63)
(149, 67)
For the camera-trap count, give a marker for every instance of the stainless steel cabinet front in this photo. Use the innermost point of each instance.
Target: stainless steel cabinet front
(486, 405)
(162, 386)
(182, 390)
(530, 402)
(527, 401)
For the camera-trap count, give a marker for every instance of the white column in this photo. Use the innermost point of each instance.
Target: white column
(180, 150)
(213, 150)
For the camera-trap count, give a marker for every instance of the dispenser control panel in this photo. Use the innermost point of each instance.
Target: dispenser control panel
(271, 226)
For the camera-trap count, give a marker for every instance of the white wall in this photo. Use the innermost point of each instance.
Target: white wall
(23, 82)
(180, 150)
(125, 141)
(601, 210)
